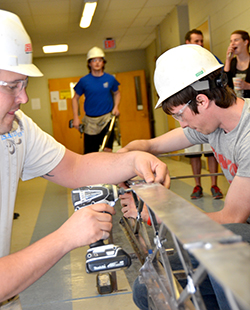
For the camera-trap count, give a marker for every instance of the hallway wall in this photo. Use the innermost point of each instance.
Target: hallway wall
(223, 16)
(71, 66)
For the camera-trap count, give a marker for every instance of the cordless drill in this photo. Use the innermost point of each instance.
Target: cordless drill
(101, 257)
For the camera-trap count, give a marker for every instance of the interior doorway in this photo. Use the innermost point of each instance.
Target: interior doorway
(61, 112)
(134, 120)
(134, 110)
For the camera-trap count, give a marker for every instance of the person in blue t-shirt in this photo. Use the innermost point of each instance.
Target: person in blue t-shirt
(102, 98)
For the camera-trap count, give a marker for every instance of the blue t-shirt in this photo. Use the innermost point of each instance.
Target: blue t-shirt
(98, 92)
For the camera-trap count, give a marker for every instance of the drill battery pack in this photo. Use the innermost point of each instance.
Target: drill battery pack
(106, 258)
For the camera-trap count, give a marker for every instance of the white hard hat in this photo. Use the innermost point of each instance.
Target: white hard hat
(16, 47)
(181, 66)
(95, 52)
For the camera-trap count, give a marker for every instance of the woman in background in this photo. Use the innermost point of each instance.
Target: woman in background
(237, 63)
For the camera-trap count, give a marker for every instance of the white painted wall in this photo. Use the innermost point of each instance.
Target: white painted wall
(71, 66)
(224, 17)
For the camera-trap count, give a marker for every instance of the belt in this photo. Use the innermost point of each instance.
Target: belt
(9, 300)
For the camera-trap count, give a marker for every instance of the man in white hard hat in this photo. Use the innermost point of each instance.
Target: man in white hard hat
(193, 89)
(102, 98)
(28, 152)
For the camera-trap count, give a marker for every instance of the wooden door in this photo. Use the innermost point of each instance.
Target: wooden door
(61, 110)
(204, 28)
(134, 111)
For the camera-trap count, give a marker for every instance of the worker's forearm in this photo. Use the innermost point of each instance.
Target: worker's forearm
(117, 99)
(138, 145)
(21, 269)
(227, 65)
(75, 104)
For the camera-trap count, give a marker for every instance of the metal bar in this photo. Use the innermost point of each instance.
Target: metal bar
(232, 302)
(195, 175)
(139, 207)
(219, 251)
(144, 234)
(184, 257)
(137, 244)
(228, 264)
(165, 261)
(156, 285)
(192, 288)
(192, 227)
(113, 273)
(154, 277)
(183, 154)
(106, 137)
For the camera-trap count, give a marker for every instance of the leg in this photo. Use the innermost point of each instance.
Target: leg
(195, 161)
(109, 143)
(91, 143)
(140, 295)
(213, 168)
(196, 168)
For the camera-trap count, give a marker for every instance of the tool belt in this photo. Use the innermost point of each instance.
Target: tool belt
(94, 125)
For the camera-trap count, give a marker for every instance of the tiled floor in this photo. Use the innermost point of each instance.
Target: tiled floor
(43, 206)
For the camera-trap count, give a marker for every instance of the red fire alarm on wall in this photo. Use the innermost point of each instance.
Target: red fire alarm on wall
(109, 43)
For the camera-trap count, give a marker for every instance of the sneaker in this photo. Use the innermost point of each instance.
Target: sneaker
(216, 192)
(197, 192)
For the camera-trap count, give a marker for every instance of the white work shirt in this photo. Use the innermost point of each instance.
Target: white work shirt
(26, 152)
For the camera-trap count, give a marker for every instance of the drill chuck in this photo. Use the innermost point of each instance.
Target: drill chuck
(101, 193)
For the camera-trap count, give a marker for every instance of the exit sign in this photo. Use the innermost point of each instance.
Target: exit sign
(109, 43)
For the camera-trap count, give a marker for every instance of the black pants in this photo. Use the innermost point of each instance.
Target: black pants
(92, 143)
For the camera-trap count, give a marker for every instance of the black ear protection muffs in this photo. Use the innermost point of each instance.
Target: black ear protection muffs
(219, 81)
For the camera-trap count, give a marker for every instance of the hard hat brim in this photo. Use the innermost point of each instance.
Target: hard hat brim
(27, 69)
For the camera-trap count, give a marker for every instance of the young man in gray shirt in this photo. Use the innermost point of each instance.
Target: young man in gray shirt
(193, 89)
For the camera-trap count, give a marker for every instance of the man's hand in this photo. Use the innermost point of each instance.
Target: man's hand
(129, 209)
(88, 225)
(21, 269)
(128, 206)
(116, 111)
(76, 123)
(77, 170)
(151, 169)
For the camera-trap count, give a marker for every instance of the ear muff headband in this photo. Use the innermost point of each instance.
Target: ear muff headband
(220, 81)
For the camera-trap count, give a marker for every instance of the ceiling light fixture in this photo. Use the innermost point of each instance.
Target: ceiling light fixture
(88, 13)
(59, 48)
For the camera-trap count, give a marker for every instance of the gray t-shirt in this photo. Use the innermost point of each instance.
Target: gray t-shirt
(232, 149)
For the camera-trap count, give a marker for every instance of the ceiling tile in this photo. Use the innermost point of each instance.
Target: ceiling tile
(130, 22)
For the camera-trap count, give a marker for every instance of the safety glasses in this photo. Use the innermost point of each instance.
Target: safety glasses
(13, 88)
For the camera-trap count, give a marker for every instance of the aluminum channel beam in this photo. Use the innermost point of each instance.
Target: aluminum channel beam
(191, 226)
(219, 250)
